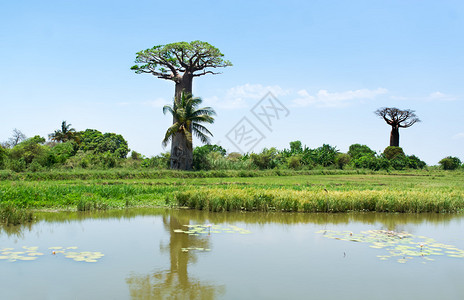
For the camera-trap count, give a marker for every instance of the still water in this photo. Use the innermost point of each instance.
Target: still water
(151, 254)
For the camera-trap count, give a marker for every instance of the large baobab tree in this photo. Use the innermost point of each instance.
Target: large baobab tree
(180, 62)
(397, 118)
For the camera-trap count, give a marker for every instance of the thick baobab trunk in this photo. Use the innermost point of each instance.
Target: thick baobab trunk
(395, 136)
(181, 151)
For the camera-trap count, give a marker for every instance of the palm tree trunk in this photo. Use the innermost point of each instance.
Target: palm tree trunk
(181, 154)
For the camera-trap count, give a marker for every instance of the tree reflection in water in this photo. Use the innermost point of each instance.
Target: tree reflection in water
(175, 283)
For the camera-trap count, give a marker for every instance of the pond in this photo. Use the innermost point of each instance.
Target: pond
(152, 254)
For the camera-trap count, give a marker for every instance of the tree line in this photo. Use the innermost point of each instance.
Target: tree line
(67, 148)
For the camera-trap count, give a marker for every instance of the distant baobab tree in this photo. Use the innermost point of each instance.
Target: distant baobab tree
(397, 118)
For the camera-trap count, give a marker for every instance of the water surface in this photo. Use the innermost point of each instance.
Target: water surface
(235, 256)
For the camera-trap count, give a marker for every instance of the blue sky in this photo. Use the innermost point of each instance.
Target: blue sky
(330, 63)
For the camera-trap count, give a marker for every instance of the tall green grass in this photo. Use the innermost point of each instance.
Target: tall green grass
(250, 199)
(116, 174)
(12, 215)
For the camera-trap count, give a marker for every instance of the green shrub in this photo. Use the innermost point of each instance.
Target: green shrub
(342, 159)
(200, 156)
(294, 162)
(162, 161)
(391, 152)
(415, 163)
(450, 163)
(267, 159)
(3, 157)
(357, 150)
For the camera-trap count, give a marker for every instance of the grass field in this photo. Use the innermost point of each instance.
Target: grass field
(422, 191)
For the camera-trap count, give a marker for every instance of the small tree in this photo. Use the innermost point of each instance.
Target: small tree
(450, 163)
(17, 138)
(397, 119)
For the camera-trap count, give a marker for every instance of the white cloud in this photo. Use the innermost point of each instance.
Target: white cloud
(324, 98)
(435, 96)
(440, 96)
(459, 136)
(243, 95)
(157, 103)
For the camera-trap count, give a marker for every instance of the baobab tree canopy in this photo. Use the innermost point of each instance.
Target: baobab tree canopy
(180, 62)
(397, 118)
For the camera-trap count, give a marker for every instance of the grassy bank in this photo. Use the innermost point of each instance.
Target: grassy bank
(419, 191)
(251, 199)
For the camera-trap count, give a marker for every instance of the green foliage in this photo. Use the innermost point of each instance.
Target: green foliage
(450, 163)
(357, 150)
(415, 163)
(94, 140)
(256, 199)
(64, 134)
(3, 157)
(325, 155)
(267, 159)
(136, 156)
(342, 159)
(295, 147)
(200, 156)
(392, 152)
(294, 162)
(12, 215)
(371, 162)
(161, 161)
(159, 59)
(63, 151)
(188, 117)
(23, 154)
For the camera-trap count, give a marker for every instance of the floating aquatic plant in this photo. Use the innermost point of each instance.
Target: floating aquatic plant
(399, 245)
(196, 249)
(197, 229)
(29, 253)
(85, 256)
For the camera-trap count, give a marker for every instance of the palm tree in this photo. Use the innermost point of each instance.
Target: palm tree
(187, 118)
(65, 134)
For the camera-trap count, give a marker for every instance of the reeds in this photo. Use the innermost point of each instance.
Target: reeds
(12, 215)
(251, 199)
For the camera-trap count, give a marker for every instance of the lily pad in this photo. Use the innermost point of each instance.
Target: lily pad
(403, 245)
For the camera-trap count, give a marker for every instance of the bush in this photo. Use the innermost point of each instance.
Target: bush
(3, 157)
(267, 159)
(136, 156)
(357, 150)
(342, 159)
(415, 163)
(294, 161)
(200, 156)
(62, 151)
(28, 151)
(162, 161)
(391, 152)
(372, 163)
(450, 163)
